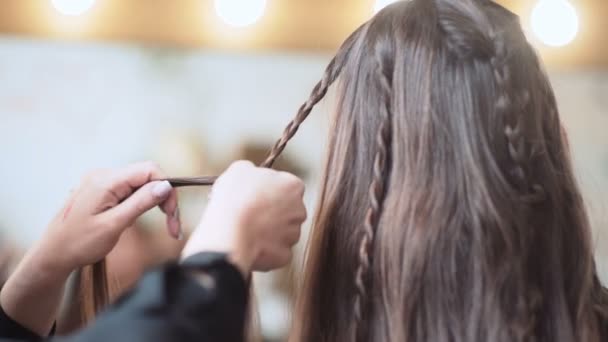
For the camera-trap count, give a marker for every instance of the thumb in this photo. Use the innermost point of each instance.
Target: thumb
(142, 200)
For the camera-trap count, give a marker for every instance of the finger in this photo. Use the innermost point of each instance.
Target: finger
(136, 175)
(241, 164)
(97, 187)
(174, 225)
(236, 167)
(293, 183)
(302, 213)
(282, 257)
(286, 257)
(142, 200)
(273, 259)
(171, 209)
(292, 234)
(299, 213)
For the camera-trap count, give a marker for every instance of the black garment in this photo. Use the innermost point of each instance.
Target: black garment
(167, 305)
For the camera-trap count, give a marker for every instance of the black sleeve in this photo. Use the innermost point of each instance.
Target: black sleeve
(9, 329)
(170, 305)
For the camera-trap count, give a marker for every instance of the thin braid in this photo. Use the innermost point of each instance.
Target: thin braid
(377, 191)
(511, 110)
(332, 72)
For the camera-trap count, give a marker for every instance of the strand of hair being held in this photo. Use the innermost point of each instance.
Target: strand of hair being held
(94, 290)
(333, 70)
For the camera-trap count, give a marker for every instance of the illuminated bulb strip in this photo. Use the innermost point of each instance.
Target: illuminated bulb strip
(380, 4)
(554, 22)
(72, 7)
(240, 13)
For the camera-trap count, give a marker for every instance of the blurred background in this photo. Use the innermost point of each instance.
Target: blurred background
(195, 84)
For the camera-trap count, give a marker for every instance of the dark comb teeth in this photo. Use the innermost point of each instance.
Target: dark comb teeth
(192, 181)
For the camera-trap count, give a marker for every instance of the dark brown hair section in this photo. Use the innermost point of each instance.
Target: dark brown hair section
(449, 210)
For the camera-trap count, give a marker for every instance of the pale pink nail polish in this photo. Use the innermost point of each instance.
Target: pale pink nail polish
(162, 189)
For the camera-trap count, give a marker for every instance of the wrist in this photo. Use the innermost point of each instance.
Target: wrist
(203, 267)
(239, 260)
(242, 263)
(220, 236)
(49, 263)
(32, 294)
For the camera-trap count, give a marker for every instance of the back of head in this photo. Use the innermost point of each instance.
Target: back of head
(448, 210)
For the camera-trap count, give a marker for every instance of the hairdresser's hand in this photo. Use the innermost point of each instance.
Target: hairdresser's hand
(254, 215)
(83, 232)
(105, 204)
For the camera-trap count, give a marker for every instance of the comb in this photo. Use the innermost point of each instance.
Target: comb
(192, 181)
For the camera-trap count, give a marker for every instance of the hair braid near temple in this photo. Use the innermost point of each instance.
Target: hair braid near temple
(376, 191)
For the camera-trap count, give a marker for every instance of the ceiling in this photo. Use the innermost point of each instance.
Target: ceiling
(301, 25)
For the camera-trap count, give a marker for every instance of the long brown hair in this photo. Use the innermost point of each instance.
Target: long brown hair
(93, 290)
(448, 210)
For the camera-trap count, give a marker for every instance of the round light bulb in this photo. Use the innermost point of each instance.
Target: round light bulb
(72, 7)
(380, 4)
(240, 13)
(554, 22)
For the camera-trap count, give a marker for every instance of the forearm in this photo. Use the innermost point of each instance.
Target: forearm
(33, 293)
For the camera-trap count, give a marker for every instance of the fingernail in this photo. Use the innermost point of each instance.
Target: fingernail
(162, 189)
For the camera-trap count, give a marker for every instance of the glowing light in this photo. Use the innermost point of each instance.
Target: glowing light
(554, 22)
(73, 7)
(240, 13)
(380, 4)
